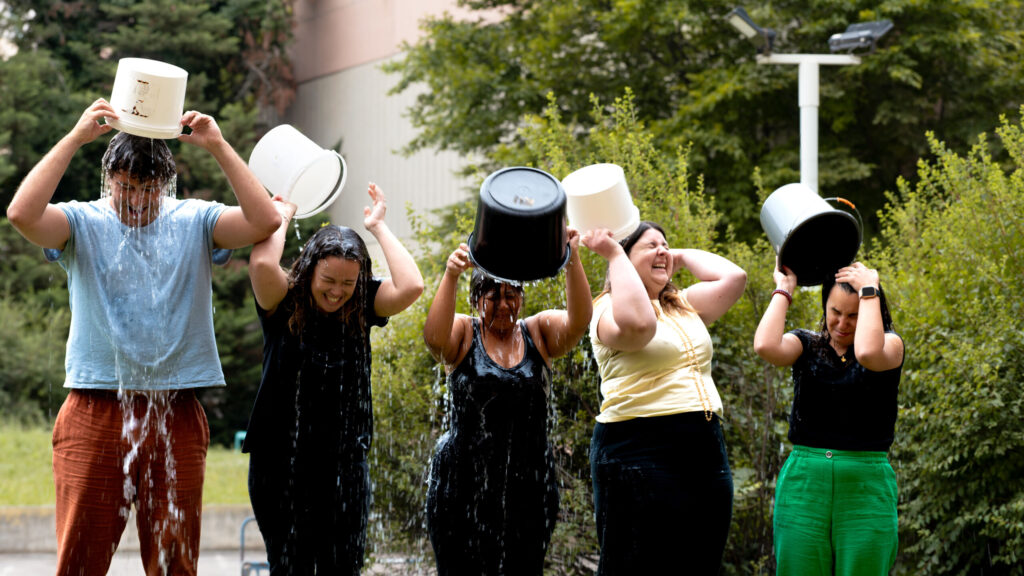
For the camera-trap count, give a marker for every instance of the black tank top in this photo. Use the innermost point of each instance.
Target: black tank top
(500, 409)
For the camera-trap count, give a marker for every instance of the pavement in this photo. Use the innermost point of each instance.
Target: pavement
(28, 546)
(125, 563)
(28, 543)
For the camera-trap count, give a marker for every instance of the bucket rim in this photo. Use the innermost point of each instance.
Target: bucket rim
(136, 129)
(477, 264)
(333, 196)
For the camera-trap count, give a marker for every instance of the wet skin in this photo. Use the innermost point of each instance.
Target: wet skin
(841, 318)
(499, 311)
(334, 281)
(137, 202)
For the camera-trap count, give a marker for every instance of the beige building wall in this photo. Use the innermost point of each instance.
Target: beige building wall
(342, 97)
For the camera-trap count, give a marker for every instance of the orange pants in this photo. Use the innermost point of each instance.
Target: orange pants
(109, 453)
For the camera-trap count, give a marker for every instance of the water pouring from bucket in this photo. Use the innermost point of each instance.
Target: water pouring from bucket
(292, 166)
(149, 97)
(809, 236)
(520, 233)
(597, 196)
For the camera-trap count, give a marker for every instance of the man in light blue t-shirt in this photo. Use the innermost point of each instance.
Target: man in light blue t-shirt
(138, 260)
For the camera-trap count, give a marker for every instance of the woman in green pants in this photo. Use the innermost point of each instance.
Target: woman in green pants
(835, 499)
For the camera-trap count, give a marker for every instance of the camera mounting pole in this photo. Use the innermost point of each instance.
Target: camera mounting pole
(808, 101)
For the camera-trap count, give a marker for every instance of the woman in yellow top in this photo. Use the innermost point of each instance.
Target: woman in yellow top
(662, 484)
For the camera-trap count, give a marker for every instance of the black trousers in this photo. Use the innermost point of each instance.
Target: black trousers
(662, 495)
(312, 515)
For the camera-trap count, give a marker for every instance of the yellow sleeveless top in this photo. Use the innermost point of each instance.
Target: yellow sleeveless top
(672, 374)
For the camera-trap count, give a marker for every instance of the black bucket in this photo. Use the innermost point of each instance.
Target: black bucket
(520, 234)
(810, 237)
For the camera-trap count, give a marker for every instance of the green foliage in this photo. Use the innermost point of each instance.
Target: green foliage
(954, 250)
(26, 469)
(33, 329)
(948, 67)
(406, 386)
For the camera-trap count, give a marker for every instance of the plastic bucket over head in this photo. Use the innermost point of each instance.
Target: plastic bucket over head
(597, 197)
(809, 236)
(298, 169)
(149, 97)
(520, 233)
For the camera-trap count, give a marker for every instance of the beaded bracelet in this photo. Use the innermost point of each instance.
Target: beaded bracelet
(784, 293)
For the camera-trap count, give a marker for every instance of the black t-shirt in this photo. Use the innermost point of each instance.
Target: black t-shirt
(841, 405)
(315, 392)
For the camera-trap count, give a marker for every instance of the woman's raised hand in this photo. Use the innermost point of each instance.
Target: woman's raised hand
(858, 275)
(600, 240)
(785, 279)
(285, 208)
(374, 215)
(459, 260)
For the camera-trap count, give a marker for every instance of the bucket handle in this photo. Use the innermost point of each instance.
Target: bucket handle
(852, 208)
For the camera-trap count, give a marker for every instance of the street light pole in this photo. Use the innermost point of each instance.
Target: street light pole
(808, 101)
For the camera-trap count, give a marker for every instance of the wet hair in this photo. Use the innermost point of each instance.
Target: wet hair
(826, 290)
(481, 283)
(145, 159)
(669, 297)
(331, 240)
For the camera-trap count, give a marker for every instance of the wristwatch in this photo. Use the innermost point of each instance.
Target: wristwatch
(868, 292)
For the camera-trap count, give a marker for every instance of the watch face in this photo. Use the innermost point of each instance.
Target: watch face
(868, 292)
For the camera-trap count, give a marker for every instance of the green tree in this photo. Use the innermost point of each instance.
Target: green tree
(948, 67)
(954, 252)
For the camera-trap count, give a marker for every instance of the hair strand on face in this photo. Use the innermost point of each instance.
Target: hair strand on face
(331, 240)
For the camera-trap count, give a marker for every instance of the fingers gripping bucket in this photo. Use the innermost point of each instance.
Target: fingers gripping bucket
(520, 235)
(299, 170)
(809, 236)
(149, 97)
(597, 197)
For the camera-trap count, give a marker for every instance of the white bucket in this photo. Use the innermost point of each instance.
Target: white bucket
(597, 197)
(298, 169)
(149, 97)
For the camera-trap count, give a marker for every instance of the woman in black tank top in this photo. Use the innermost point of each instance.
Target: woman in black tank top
(492, 498)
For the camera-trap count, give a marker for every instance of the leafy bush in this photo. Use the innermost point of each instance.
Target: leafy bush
(953, 245)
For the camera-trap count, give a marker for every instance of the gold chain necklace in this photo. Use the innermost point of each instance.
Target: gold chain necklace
(698, 377)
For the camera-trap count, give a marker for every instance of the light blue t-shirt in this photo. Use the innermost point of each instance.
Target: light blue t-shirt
(141, 298)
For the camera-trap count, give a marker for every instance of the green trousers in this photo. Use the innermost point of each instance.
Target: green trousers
(835, 513)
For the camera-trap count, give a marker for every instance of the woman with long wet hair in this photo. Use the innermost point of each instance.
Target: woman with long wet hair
(662, 483)
(835, 498)
(312, 423)
(492, 499)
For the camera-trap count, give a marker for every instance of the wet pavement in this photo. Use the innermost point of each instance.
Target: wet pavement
(211, 563)
(125, 563)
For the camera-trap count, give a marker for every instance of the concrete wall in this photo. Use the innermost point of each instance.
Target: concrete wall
(342, 96)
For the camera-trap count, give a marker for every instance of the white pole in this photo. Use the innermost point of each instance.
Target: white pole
(809, 124)
(808, 101)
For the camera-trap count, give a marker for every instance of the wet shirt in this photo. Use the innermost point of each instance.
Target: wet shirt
(498, 409)
(492, 499)
(667, 376)
(841, 405)
(141, 298)
(315, 390)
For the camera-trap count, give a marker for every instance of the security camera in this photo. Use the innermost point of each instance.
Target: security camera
(862, 35)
